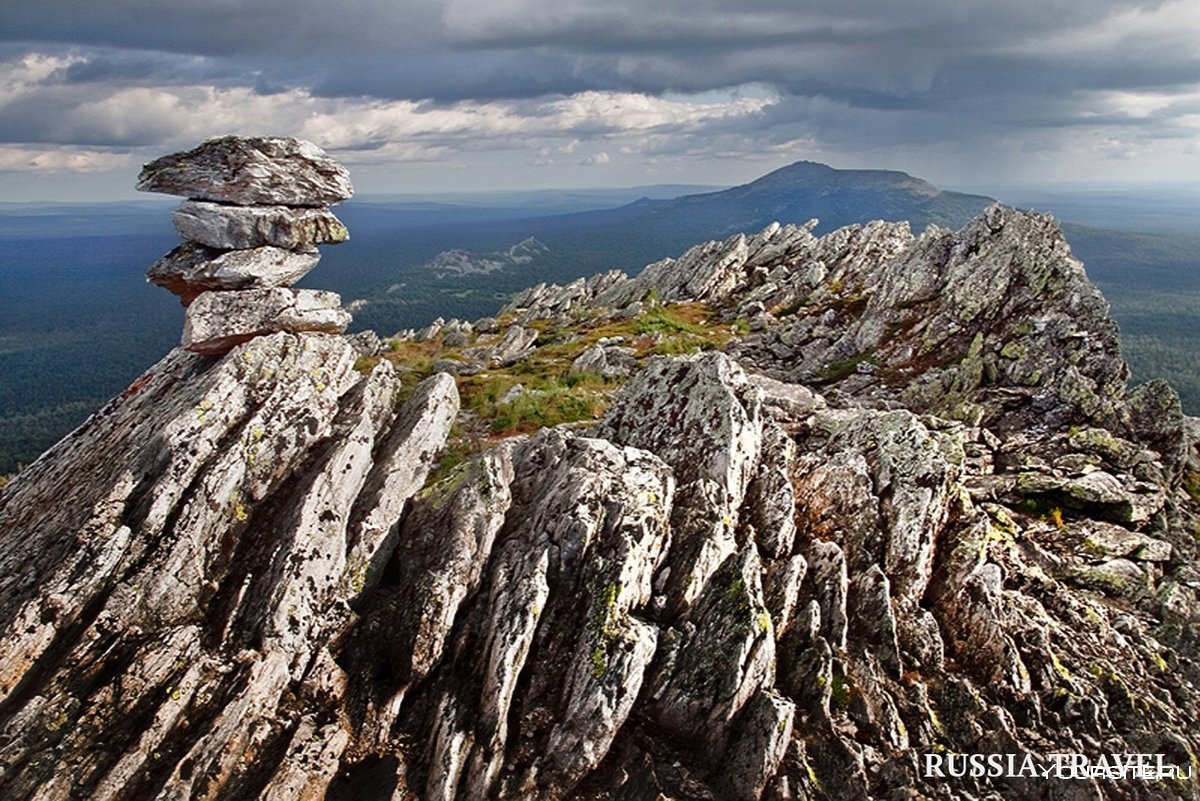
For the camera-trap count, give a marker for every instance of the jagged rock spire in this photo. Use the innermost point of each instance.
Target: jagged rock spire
(256, 209)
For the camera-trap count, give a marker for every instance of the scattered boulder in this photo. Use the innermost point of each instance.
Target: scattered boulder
(514, 345)
(367, 343)
(612, 361)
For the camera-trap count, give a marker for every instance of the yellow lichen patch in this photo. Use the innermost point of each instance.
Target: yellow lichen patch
(203, 408)
(1058, 666)
(605, 626)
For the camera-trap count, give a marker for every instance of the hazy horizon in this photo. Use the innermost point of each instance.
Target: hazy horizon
(1189, 189)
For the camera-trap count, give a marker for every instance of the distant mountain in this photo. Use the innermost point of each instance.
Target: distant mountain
(630, 236)
(651, 229)
(64, 268)
(806, 189)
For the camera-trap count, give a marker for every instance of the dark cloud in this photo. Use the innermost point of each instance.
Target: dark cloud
(150, 68)
(848, 76)
(460, 49)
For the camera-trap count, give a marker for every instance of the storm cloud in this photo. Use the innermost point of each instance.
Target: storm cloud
(940, 86)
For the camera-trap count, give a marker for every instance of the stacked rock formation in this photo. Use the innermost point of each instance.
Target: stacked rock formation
(256, 209)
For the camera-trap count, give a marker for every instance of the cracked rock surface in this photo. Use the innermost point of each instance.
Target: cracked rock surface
(217, 321)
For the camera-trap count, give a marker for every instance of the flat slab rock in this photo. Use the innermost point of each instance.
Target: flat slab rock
(192, 268)
(241, 227)
(254, 171)
(216, 322)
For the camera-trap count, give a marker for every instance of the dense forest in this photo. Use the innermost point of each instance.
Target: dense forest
(1152, 282)
(77, 324)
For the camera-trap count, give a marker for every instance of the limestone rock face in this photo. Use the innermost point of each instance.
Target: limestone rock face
(218, 538)
(703, 418)
(192, 268)
(217, 321)
(239, 227)
(770, 570)
(251, 171)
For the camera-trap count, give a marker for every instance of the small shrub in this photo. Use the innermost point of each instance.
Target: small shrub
(842, 368)
(840, 693)
(666, 320)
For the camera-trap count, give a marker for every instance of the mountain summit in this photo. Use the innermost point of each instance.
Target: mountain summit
(787, 517)
(805, 190)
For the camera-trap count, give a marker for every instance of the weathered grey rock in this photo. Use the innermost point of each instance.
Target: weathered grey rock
(486, 325)
(609, 362)
(367, 343)
(728, 657)
(241, 227)
(714, 271)
(701, 416)
(512, 393)
(514, 344)
(430, 331)
(790, 402)
(451, 366)
(589, 527)
(250, 171)
(870, 612)
(455, 339)
(828, 588)
(1102, 493)
(761, 740)
(771, 497)
(217, 321)
(192, 268)
(200, 570)
(1116, 577)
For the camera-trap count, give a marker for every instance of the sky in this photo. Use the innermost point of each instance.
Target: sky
(428, 96)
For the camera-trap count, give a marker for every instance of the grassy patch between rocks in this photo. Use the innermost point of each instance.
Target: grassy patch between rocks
(540, 390)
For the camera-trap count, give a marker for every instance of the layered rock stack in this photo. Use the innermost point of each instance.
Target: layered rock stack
(256, 209)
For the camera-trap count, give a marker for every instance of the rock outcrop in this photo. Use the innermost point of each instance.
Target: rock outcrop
(257, 208)
(908, 510)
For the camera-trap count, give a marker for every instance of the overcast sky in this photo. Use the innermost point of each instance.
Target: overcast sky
(450, 95)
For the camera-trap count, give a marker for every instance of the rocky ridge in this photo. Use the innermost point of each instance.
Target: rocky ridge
(828, 504)
(256, 209)
(464, 262)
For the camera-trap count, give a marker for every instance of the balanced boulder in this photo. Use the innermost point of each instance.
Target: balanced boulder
(235, 227)
(218, 321)
(254, 171)
(193, 268)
